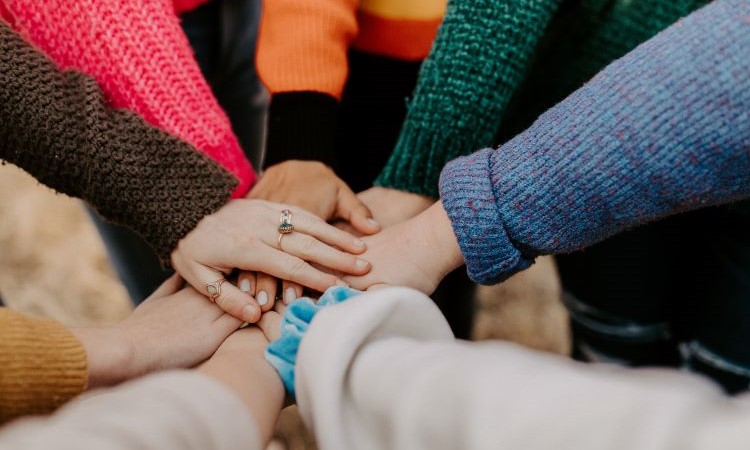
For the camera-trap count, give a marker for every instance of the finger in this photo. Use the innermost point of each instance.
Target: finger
(288, 267)
(270, 324)
(168, 287)
(230, 299)
(316, 227)
(310, 249)
(265, 291)
(246, 281)
(292, 291)
(354, 211)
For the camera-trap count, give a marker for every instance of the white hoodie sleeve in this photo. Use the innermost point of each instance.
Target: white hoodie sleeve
(180, 410)
(382, 371)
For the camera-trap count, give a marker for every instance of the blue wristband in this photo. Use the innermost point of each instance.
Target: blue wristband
(282, 353)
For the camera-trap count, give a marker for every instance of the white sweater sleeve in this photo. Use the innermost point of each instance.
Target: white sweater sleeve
(382, 371)
(173, 410)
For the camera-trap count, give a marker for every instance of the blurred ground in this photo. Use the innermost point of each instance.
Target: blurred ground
(53, 264)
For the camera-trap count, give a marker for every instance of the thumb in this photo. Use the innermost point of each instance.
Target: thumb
(351, 209)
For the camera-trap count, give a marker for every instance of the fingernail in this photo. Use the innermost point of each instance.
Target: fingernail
(289, 295)
(245, 285)
(262, 298)
(361, 264)
(372, 223)
(248, 313)
(342, 283)
(358, 243)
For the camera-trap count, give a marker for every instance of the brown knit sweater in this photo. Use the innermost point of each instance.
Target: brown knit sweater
(42, 365)
(57, 126)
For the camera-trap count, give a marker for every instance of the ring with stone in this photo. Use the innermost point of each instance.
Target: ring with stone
(214, 289)
(285, 222)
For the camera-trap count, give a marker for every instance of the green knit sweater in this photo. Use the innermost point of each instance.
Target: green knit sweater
(489, 52)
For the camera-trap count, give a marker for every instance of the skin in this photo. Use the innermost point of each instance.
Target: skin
(315, 187)
(173, 328)
(243, 235)
(417, 253)
(239, 364)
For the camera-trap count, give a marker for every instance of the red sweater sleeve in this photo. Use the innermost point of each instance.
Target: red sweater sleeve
(140, 57)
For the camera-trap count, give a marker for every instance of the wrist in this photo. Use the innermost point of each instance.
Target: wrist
(442, 245)
(110, 355)
(240, 366)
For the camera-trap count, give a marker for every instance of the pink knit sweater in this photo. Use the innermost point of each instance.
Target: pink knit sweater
(138, 53)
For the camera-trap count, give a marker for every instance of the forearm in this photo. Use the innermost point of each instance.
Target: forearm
(245, 370)
(661, 131)
(140, 57)
(177, 409)
(384, 381)
(56, 126)
(476, 63)
(42, 365)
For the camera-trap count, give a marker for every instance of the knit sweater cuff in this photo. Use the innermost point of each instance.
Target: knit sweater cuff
(43, 365)
(465, 189)
(415, 164)
(302, 125)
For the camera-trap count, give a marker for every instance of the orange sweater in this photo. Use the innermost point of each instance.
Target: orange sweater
(42, 365)
(303, 44)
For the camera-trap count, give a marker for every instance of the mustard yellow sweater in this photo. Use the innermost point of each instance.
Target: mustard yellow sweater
(42, 365)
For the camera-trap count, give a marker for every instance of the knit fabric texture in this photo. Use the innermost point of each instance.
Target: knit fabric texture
(663, 130)
(42, 365)
(282, 353)
(140, 57)
(57, 126)
(486, 50)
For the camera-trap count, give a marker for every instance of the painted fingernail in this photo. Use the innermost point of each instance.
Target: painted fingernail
(245, 285)
(372, 223)
(359, 244)
(262, 298)
(362, 264)
(342, 283)
(289, 295)
(248, 313)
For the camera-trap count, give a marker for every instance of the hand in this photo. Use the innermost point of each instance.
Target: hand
(173, 328)
(392, 206)
(244, 235)
(417, 253)
(314, 187)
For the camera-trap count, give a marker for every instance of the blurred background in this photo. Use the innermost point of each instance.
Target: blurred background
(53, 264)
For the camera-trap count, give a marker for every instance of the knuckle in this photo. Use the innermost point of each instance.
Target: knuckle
(310, 247)
(294, 267)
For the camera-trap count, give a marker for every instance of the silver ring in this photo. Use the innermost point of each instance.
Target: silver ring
(285, 223)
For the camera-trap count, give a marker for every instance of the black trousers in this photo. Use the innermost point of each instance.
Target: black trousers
(674, 293)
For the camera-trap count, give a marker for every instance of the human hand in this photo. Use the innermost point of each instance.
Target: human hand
(173, 328)
(392, 206)
(244, 235)
(313, 186)
(416, 253)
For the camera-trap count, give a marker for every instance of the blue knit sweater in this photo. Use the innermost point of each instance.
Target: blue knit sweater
(663, 130)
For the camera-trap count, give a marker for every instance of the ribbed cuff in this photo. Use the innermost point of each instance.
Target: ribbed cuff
(43, 365)
(302, 125)
(468, 198)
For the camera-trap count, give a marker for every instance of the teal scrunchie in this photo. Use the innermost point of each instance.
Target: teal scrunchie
(282, 353)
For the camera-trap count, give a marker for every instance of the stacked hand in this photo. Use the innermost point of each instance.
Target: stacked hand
(244, 235)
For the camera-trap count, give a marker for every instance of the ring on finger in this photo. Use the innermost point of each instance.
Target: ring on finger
(278, 241)
(214, 289)
(285, 222)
